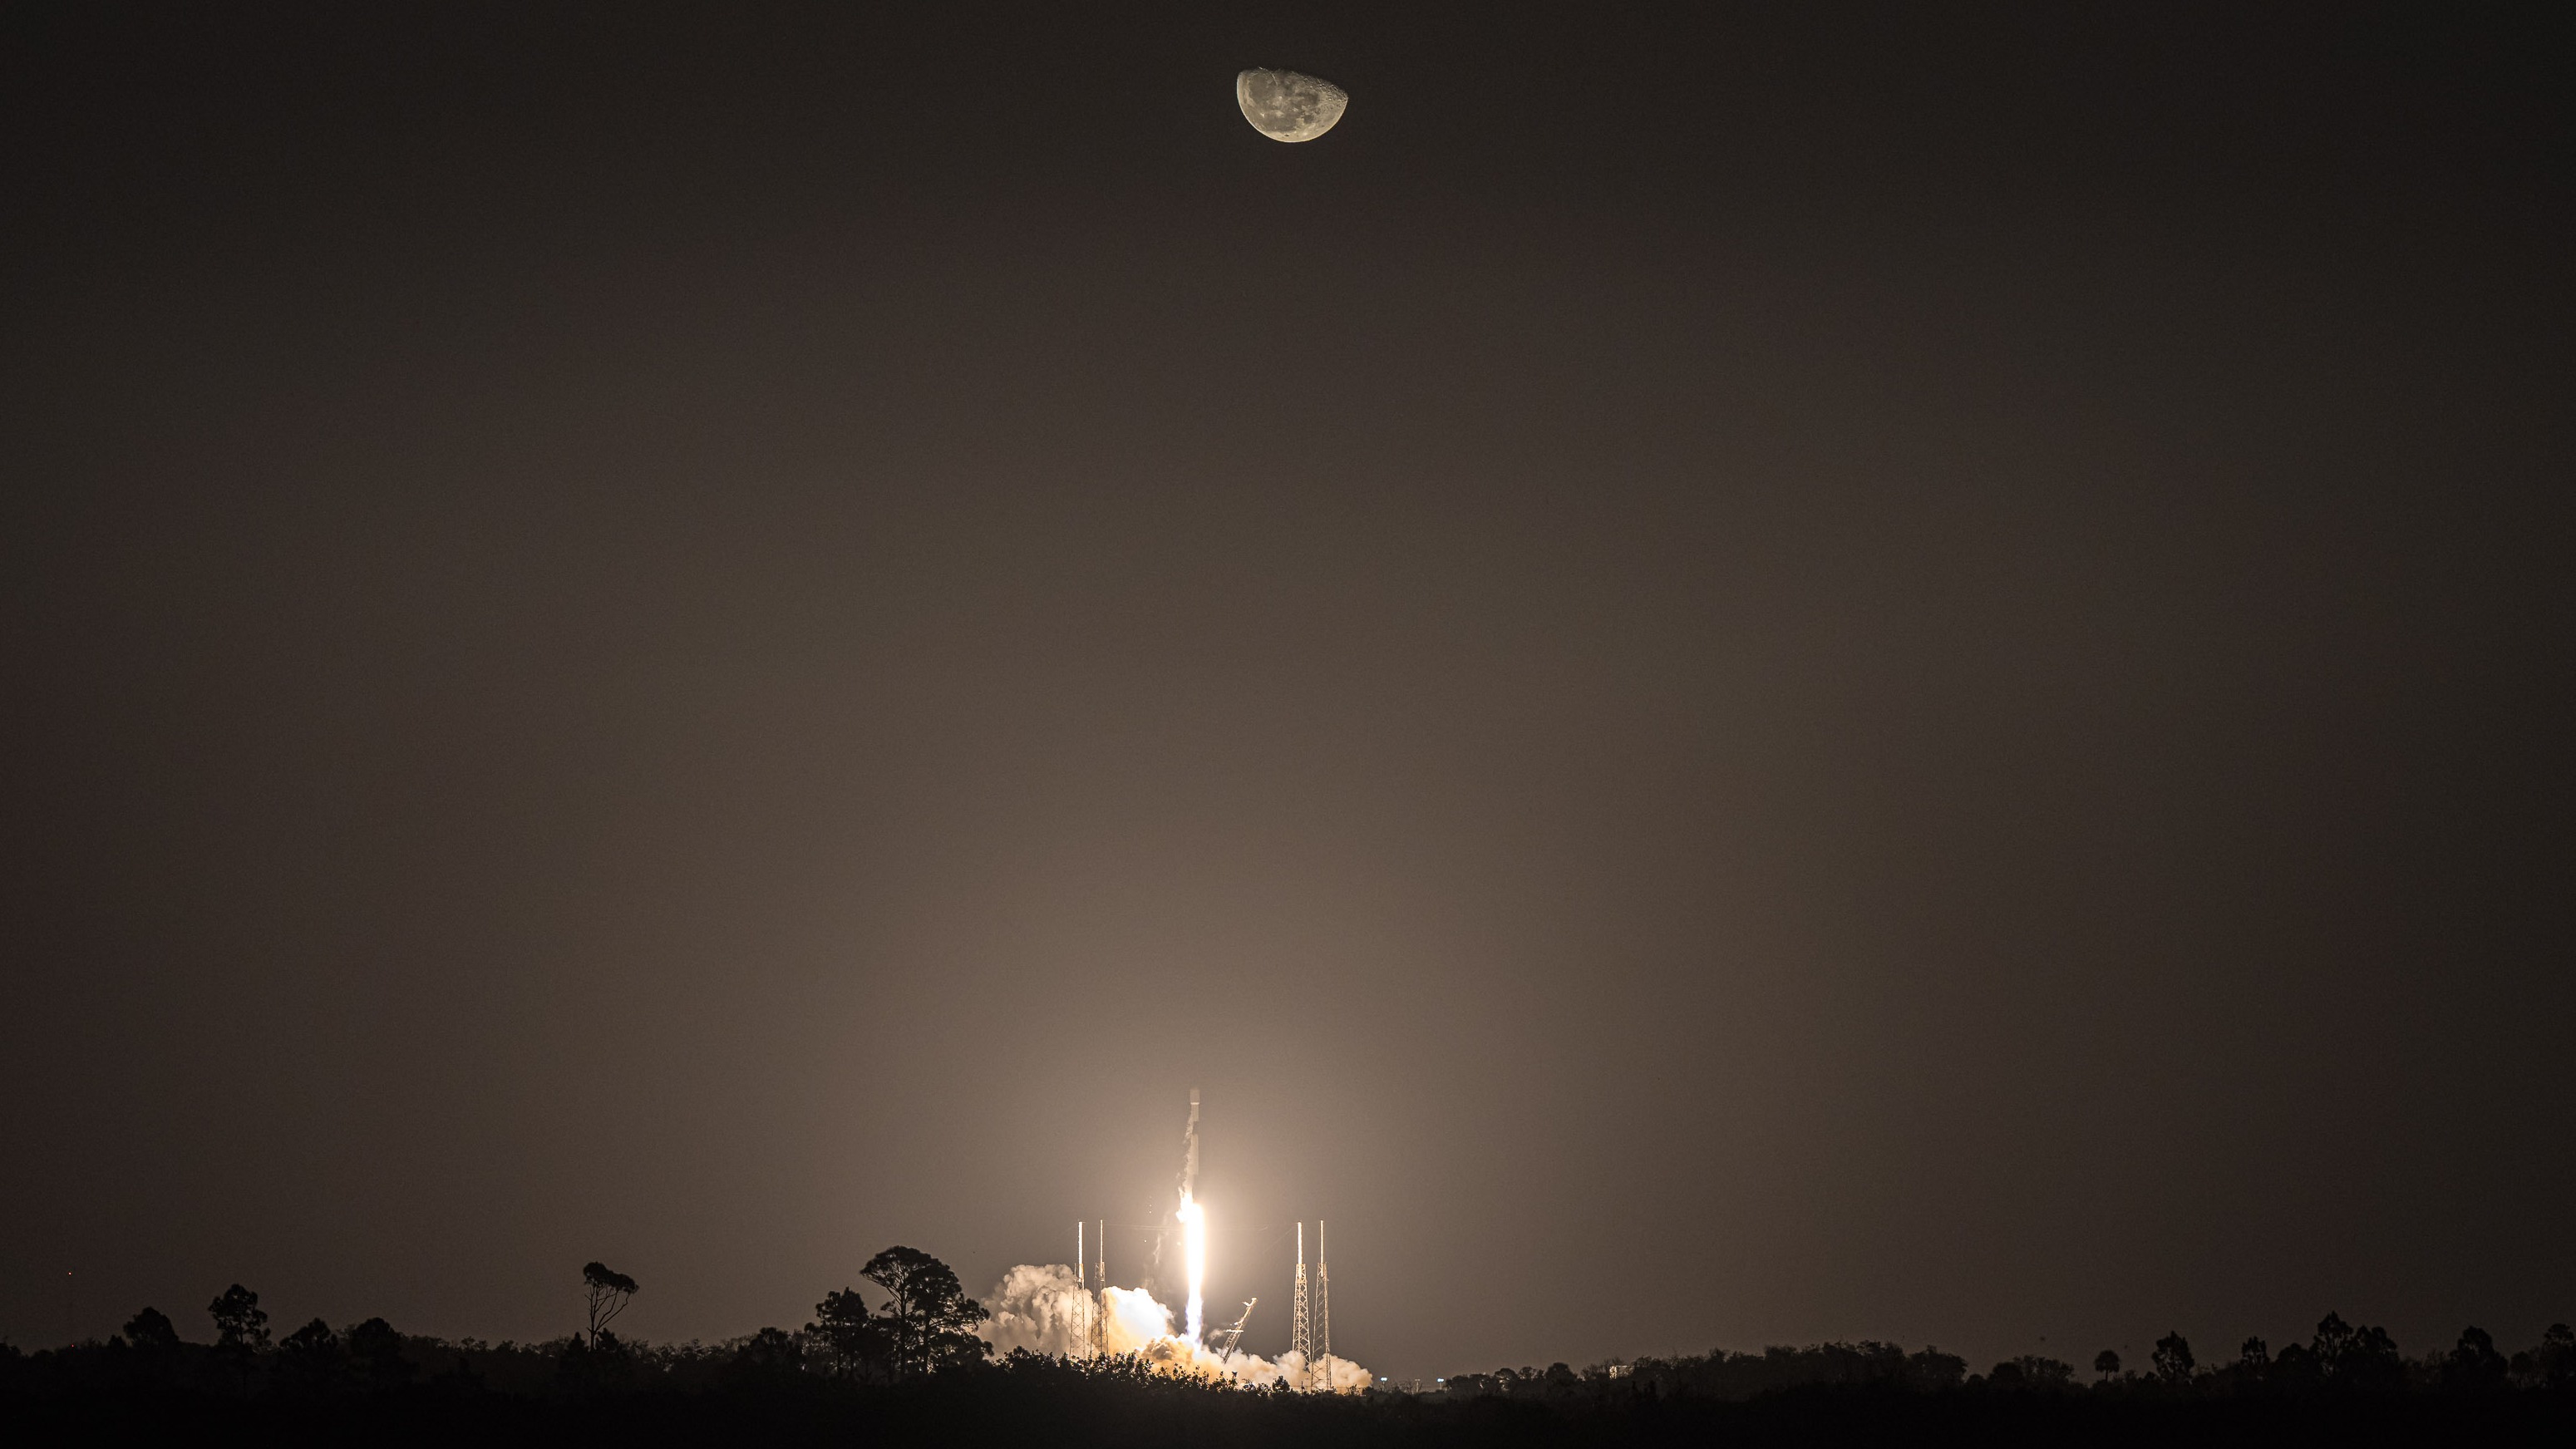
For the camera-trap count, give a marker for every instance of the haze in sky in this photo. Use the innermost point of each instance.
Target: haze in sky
(1726, 678)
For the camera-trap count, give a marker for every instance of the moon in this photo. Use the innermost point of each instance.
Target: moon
(1287, 105)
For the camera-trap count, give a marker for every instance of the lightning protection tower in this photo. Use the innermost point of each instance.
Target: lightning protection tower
(1090, 1327)
(1323, 1311)
(1096, 1300)
(1301, 1324)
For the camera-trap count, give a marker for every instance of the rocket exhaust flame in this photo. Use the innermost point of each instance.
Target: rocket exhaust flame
(1194, 1253)
(1060, 1310)
(1193, 1221)
(1044, 1309)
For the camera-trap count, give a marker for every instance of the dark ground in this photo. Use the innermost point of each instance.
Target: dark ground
(1040, 1401)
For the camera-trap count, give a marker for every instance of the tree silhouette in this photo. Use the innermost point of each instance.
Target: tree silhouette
(595, 1364)
(153, 1340)
(770, 1357)
(240, 1323)
(2372, 1361)
(311, 1358)
(377, 1352)
(1933, 1369)
(2106, 1363)
(2474, 1365)
(2033, 1371)
(241, 1328)
(855, 1342)
(927, 1315)
(609, 1292)
(2173, 1359)
(2332, 1343)
(151, 1331)
(2554, 1362)
(2349, 1357)
(2254, 1357)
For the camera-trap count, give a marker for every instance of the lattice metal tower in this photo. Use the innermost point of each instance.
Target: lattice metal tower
(1096, 1296)
(1301, 1324)
(1323, 1309)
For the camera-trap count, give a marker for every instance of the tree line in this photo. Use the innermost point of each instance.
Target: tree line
(2339, 1357)
(924, 1325)
(895, 1358)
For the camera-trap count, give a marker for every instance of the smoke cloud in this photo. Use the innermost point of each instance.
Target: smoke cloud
(1036, 1308)
(1043, 1309)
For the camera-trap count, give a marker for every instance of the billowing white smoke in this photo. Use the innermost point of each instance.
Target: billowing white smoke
(1042, 1309)
(1345, 1376)
(1039, 1309)
(1133, 1321)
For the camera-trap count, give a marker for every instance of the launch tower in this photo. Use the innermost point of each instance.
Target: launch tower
(1095, 1297)
(1310, 1329)
(1323, 1359)
(1301, 1319)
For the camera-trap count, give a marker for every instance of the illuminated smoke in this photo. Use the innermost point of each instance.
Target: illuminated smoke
(1132, 1321)
(1036, 1308)
(1042, 1309)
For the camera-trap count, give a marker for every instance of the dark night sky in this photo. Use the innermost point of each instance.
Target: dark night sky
(1732, 678)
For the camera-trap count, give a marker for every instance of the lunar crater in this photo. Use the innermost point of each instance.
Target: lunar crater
(1288, 105)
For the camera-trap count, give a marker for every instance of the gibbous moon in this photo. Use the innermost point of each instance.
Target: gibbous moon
(1285, 105)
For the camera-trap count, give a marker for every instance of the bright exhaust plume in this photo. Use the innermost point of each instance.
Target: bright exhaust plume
(1043, 1309)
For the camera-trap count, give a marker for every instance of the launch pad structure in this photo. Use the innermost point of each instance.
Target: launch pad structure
(1310, 1330)
(1301, 1312)
(1231, 1339)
